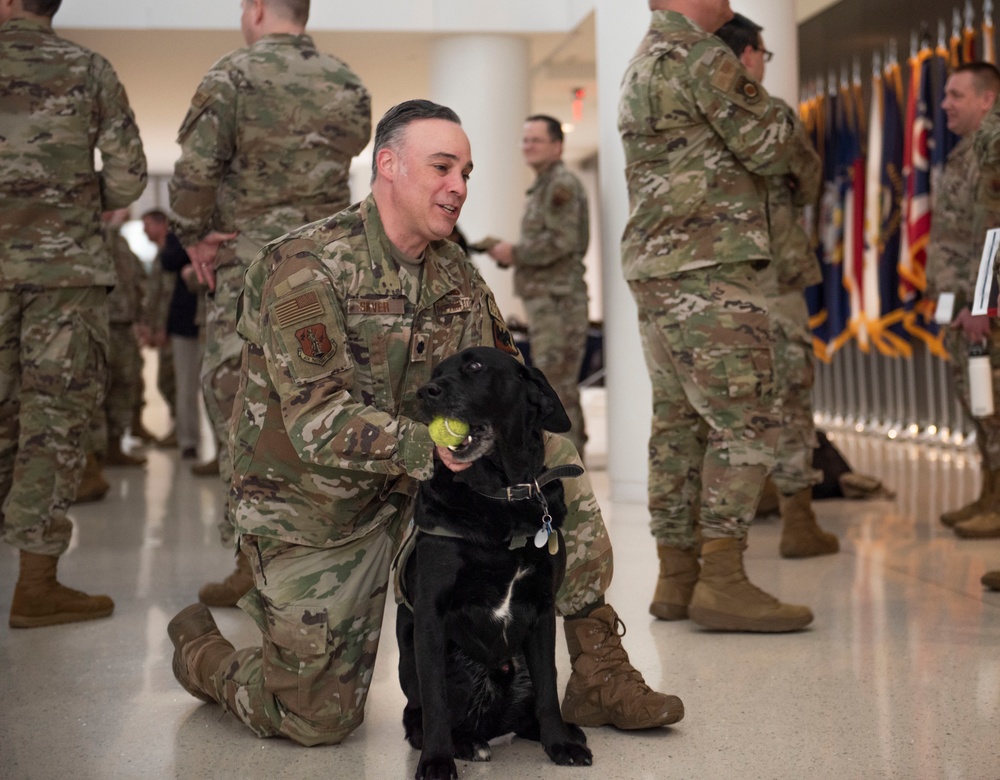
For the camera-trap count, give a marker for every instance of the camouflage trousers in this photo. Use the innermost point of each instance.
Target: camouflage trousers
(53, 369)
(987, 428)
(220, 372)
(320, 614)
(124, 388)
(794, 377)
(557, 330)
(707, 341)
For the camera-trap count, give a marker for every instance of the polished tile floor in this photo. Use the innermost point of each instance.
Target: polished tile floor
(899, 677)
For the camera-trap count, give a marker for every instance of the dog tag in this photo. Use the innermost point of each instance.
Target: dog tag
(553, 543)
(541, 537)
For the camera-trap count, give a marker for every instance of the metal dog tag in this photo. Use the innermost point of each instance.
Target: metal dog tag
(541, 537)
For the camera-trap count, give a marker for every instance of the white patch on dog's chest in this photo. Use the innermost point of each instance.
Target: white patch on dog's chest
(502, 612)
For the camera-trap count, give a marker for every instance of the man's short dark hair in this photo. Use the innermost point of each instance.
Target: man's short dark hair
(41, 7)
(294, 10)
(554, 125)
(738, 33)
(985, 76)
(157, 215)
(391, 126)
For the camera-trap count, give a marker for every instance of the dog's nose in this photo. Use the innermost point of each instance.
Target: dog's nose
(430, 390)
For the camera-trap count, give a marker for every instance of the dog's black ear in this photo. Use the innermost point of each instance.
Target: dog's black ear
(550, 409)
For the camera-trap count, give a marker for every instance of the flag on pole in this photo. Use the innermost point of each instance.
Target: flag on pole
(969, 34)
(853, 197)
(827, 300)
(955, 42)
(942, 139)
(917, 176)
(885, 314)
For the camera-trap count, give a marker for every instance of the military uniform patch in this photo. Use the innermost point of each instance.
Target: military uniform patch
(302, 307)
(502, 338)
(314, 344)
(561, 196)
(725, 78)
(749, 90)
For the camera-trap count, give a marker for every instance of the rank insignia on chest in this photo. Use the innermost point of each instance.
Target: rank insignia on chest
(314, 345)
(419, 345)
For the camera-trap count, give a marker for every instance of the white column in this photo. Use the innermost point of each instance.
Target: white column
(621, 24)
(485, 79)
(781, 35)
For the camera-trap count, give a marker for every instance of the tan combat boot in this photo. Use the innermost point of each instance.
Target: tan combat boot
(228, 592)
(982, 504)
(724, 599)
(982, 526)
(199, 650)
(93, 486)
(678, 574)
(604, 687)
(116, 457)
(801, 537)
(41, 601)
(992, 580)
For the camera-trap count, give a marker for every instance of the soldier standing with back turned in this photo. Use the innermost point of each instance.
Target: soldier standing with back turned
(60, 103)
(699, 132)
(266, 147)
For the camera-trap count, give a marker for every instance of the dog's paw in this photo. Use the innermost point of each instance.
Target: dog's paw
(569, 754)
(439, 768)
(472, 750)
(414, 728)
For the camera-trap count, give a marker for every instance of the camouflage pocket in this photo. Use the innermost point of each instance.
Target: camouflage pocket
(749, 373)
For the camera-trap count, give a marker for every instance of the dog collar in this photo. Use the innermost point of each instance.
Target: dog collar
(527, 490)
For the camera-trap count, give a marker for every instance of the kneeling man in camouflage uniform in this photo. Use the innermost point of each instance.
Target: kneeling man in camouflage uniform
(343, 320)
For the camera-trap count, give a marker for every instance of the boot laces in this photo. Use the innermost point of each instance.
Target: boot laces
(615, 660)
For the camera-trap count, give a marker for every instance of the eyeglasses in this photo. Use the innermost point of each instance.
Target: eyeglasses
(768, 55)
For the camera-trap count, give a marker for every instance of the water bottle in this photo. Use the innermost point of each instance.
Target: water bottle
(980, 381)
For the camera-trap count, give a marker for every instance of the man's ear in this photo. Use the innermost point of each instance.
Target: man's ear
(387, 163)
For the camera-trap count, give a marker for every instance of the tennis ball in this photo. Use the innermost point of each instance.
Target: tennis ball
(448, 432)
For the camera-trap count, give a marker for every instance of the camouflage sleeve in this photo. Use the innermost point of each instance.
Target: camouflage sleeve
(986, 211)
(560, 223)
(807, 166)
(755, 128)
(313, 367)
(354, 127)
(207, 138)
(123, 162)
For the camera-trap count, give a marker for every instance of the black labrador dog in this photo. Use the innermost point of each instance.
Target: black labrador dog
(477, 633)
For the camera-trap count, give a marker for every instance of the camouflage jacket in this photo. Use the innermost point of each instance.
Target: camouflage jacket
(696, 128)
(58, 103)
(125, 301)
(793, 260)
(338, 339)
(267, 144)
(986, 212)
(952, 252)
(555, 231)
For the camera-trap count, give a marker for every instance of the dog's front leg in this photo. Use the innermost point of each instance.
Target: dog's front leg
(563, 744)
(412, 714)
(437, 759)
